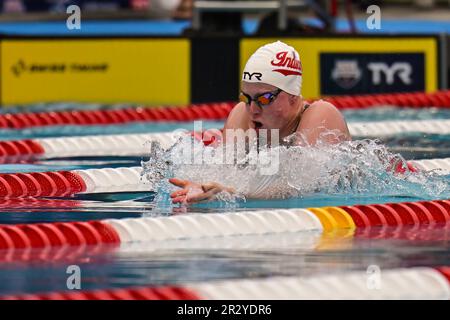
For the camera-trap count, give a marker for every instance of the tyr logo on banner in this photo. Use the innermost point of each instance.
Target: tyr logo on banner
(402, 69)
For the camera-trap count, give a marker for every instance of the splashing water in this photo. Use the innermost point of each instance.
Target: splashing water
(363, 167)
(357, 167)
(156, 171)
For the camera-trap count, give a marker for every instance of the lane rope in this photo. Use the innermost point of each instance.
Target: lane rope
(138, 144)
(210, 111)
(395, 284)
(127, 179)
(260, 222)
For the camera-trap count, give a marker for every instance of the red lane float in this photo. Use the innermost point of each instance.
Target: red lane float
(420, 213)
(445, 272)
(419, 99)
(409, 233)
(213, 111)
(40, 184)
(46, 235)
(410, 218)
(152, 293)
(210, 111)
(19, 150)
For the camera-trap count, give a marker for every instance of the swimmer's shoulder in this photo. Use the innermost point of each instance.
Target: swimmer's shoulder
(237, 119)
(321, 109)
(322, 113)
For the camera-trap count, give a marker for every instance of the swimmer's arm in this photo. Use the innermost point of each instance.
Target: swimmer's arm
(320, 118)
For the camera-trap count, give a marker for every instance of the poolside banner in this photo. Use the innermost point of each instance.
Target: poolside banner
(361, 64)
(182, 70)
(95, 70)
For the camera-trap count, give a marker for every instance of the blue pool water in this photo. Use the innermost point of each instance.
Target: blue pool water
(187, 260)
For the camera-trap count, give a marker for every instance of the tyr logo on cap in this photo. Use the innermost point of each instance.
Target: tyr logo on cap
(283, 60)
(249, 75)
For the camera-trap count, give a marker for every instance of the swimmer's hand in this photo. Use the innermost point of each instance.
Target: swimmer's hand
(192, 192)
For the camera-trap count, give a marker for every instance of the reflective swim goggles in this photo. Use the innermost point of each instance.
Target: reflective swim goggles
(262, 100)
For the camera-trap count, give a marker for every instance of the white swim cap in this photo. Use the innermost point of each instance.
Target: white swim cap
(276, 64)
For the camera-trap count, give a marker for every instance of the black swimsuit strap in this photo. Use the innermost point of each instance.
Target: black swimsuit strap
(304, 109)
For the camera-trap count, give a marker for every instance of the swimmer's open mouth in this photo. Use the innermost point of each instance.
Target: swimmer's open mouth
(257, 124)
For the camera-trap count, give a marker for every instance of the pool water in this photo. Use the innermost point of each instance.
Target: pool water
(182, 261)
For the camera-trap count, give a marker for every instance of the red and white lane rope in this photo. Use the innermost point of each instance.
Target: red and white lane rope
(101, 145)
(104, 145)
(389, 128)
(113, 180)
(440, 99)
(308, 240)
(211, 111)
(135, 144)
(412, 283)
(442, 166)
(214, 225)
(327, 219)
(195, 226)
(66, 183)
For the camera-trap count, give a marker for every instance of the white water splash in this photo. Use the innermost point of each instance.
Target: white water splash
(351, 167)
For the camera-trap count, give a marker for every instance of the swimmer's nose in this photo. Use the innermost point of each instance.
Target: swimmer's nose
(254, 108)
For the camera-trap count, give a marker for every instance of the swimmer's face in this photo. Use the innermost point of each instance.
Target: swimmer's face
(276, 115)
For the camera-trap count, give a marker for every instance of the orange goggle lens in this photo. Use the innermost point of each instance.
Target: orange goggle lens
(261, 100)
